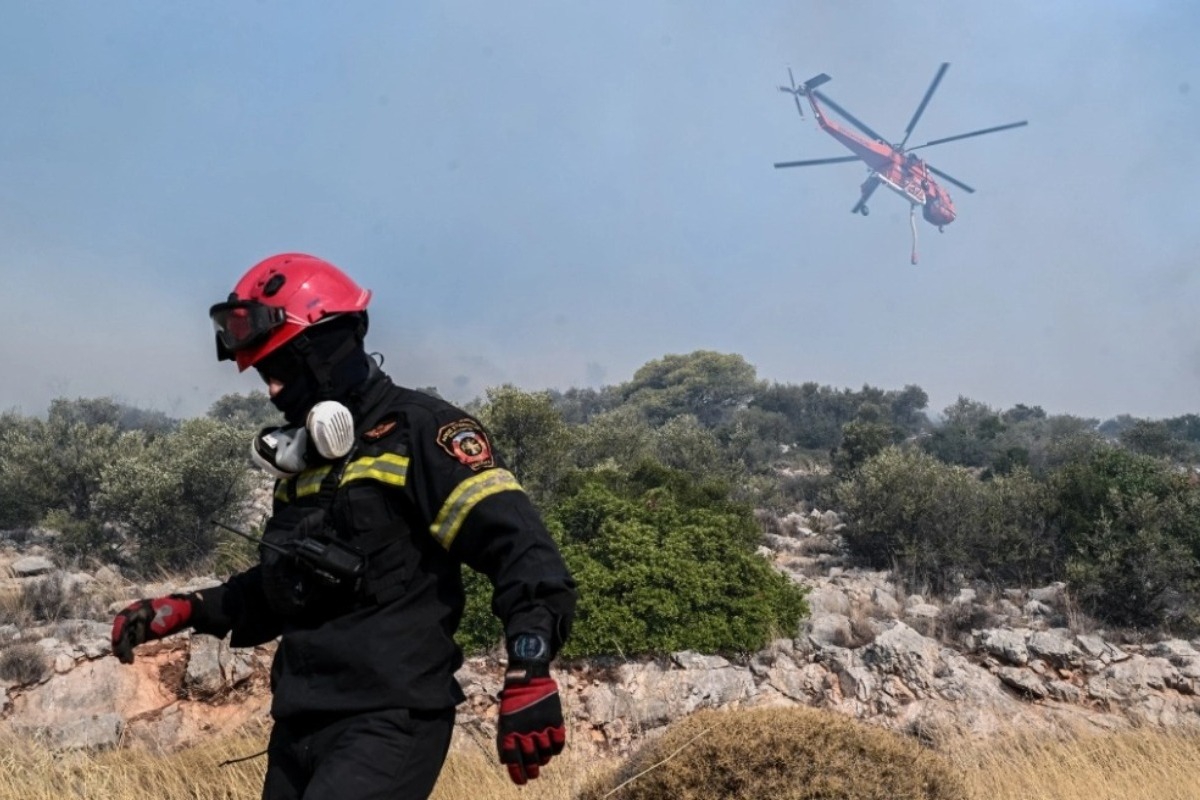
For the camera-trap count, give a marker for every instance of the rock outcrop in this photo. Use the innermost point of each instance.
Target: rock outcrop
(908, 663)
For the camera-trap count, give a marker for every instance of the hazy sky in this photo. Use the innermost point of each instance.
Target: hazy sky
(552, 194)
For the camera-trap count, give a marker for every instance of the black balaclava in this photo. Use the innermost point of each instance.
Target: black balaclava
(326, 362)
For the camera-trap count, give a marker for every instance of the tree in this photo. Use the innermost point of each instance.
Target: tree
(817, 415)
(161, 493)
(22, 500)
(861, 440)
(908, 409)
(1185, 428)
(95, 411)
(1153, 438)
(614, 439)
(756, 438)
(711, 386)
(252, 411)
(531, 437)
(56, 464)
(967, 435)
(580, 406)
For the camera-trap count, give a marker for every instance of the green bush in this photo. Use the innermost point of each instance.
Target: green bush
(1130, 529)
(667, 563)
(936, 522)
(663, 563)
(21, 502)
(480, 630)
(55, 463)
(160, 494)
(861, 440)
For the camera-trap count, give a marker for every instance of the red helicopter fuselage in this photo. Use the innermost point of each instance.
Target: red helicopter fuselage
(890, 165)
(905, 174)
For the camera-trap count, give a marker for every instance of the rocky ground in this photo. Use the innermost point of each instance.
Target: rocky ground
(973, 664)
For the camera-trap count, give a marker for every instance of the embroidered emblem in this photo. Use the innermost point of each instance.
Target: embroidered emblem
(380, 430)
(466, 441)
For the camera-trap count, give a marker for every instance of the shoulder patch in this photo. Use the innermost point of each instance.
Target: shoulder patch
(465, 441)
(381, 429)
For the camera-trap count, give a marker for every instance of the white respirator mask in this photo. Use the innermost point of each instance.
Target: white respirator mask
(284, 452)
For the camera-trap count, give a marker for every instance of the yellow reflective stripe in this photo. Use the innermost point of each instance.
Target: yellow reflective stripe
(307, 482)
(387, 468)
(465, 497)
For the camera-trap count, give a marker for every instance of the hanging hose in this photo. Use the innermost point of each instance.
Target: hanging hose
(912, 223)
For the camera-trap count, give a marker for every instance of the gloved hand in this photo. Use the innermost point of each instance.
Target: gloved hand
(531, 720)
(150, 619)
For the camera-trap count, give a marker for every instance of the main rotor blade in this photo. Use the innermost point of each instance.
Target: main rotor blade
(924, 102)
(955, 181)
(815, 161)
(972, 133)
(848, 116)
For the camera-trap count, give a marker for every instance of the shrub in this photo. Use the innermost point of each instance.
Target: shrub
(47, 598)
(664, 563)
(1130, 528)
(162, 493)
(23, 663)
(781, 754)
(937, 522)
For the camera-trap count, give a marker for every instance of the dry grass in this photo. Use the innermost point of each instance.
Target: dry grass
(782, 754)
(52, 598)
(1132, 765)
(474, 773)
(29, 771)
(807, 754)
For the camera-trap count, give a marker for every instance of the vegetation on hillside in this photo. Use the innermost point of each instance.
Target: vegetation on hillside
(650, 487)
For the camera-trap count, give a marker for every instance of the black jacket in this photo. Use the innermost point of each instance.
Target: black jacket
(422, 494)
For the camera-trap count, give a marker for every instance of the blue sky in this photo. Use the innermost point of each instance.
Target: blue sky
(551, 194)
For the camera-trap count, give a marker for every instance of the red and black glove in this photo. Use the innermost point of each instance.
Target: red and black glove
(150, 619)
(531, 719)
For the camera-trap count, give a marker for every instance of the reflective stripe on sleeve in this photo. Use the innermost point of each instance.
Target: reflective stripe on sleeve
(387, 468)
(465, 497)
(307, 482)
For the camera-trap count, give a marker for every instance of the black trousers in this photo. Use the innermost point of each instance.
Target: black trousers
(394, 754)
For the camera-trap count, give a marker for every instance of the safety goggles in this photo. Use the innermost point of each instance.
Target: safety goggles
(244, 323)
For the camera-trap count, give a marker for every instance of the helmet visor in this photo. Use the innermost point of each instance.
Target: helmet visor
(244, 323)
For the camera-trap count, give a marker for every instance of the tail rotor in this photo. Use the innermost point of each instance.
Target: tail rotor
(795, 92)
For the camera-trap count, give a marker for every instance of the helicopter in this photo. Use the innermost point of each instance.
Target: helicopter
(890, 165)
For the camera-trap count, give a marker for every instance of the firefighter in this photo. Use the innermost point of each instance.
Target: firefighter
(382, 493)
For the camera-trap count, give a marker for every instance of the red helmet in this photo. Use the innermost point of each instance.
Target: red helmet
(276, 300)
